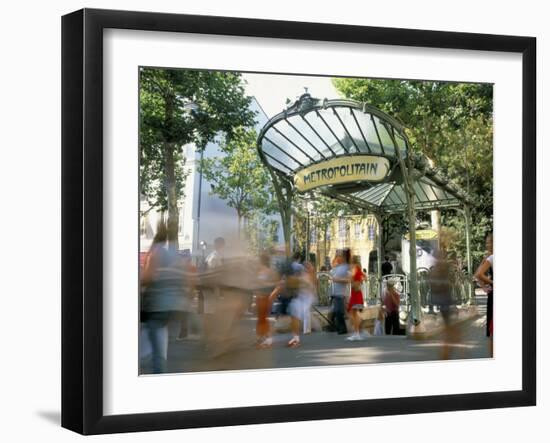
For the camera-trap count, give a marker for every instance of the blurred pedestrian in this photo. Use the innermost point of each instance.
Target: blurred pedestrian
(484, 275)
(392, 299)
(294, 282)
(307, 294)
(440, 278)
(162, 280)
(340, 288)
(355, 305)
(267, 281)
(387, 267)
(211, 294)
(190, 271)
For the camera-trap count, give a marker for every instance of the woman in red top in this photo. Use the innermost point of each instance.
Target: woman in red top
(355, 305)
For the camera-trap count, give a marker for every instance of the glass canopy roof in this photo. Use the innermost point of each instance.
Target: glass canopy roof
(312, 132)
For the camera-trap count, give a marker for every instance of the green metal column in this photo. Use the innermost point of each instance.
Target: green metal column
(379, 221)
(413, 276)
(308, 235)
(283, 190)
(416, 310)
(467, 220)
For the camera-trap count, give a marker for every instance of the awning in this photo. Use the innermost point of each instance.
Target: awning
(349, 151)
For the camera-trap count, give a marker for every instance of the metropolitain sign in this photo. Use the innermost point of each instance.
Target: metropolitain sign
(342, 170)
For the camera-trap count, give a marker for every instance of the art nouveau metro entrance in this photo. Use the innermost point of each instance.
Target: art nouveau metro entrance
(357, 154)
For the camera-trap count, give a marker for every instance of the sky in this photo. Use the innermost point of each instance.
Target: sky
(271, 91)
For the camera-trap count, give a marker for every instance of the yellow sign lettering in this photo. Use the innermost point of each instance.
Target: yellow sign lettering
(342, 170)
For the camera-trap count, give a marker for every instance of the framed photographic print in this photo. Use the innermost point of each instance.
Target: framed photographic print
(241, 198)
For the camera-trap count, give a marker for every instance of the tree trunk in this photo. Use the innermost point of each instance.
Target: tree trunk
(169, 150)
(325, 241)
(170, 183)
(239, 223)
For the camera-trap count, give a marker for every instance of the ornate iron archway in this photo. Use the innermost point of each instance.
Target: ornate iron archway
(358, 154)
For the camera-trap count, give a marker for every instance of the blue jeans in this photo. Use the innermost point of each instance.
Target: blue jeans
(338, 312)
(157, 332)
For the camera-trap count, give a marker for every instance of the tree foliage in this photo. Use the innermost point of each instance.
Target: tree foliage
(178, 107)
(452, 124)
(239, 178)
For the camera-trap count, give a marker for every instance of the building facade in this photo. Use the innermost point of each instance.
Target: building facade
(357, 232)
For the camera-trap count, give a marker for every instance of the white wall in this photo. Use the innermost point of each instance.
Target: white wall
(217, 219)
(30, 186)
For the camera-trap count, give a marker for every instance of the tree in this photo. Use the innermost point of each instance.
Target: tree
(261, 231)
(452, 124)
(240, 178)
(324, 211)
(178, 107)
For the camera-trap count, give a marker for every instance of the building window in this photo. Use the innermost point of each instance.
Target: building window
(327, 233)
(313, 236)
(372, 233)
(357, 230)
(341, 228)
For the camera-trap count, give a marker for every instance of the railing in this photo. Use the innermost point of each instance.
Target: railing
(461, 286)
(372, 289)
(424, 287)
(324, 288)
(369, 287)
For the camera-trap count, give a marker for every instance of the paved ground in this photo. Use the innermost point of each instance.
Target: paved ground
(320, 348)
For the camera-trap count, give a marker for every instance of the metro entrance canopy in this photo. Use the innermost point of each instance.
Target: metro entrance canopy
(355, 153)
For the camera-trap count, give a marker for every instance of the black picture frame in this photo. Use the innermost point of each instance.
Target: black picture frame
(82, 220)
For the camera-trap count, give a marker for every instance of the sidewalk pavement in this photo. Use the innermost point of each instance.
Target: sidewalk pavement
(322, 348)
(432, 322)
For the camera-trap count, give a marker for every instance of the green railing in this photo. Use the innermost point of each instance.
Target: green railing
(324, 288)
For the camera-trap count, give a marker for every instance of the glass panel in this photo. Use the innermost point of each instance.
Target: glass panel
(357, 142)
(309, 134)
(380, 192)
(334, 125)
(421, 195)
(314, 120)
(429, 191)
(390, 200)
(365, 195)
(284, 145)
(385, 137)
(277, 166)
(439, 192)
(270, 149)
(295, 138)
(358, 131)
(399, 194)
(369, 131)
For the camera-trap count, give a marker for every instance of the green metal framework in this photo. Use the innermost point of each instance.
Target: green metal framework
(312, 131)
